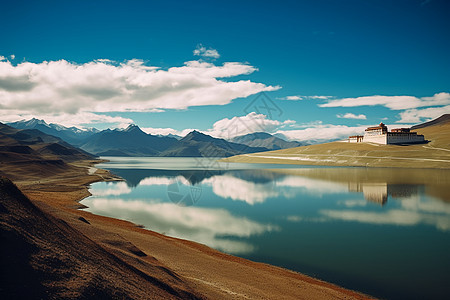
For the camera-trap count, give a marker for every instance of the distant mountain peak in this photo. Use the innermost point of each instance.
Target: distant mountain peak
(260, 135)
(34, 122)
(197, 136)
(170, 135)
(266, 140)
(132, 127)
(195, 132)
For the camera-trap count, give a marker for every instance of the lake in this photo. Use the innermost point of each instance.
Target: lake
(382, 231)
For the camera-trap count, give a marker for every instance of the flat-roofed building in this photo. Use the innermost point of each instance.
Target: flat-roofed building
(380, 135)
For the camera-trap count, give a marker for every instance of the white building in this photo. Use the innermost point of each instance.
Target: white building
(380, 135)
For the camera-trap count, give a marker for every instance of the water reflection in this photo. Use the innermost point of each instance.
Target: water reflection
(378, 192)
(378, 184)
(217, 228)
(256, 186)
(334, 223)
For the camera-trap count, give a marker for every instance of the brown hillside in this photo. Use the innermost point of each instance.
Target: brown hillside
(43, 257)
(439, 121)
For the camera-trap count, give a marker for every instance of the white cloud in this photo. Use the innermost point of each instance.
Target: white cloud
(319, 132)
(229, 128)
(352, 116)
(2, 58)
(292, 98)
(299, 97)
(319, 97)
(12, 56)
(322, 132)
(202, 51)
(65, 90)
(79, 119)
(252, 122)
(167, 131)
(419, 115)
(392, 102)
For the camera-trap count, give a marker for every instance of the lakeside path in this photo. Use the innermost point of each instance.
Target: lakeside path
(210, 273)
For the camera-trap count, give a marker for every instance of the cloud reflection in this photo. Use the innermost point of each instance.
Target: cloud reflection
(228, 186)
(313, 186)
(413, 211)
(216, 228)
(159, 180)
(110, 189)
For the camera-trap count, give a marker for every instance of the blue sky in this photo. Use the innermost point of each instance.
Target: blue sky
(329, 57)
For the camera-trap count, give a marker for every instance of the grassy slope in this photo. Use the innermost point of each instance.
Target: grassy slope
(435, 154)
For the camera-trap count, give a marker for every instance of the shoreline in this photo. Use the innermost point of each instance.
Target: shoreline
(210, 272)
(433, 155)
(338, 154)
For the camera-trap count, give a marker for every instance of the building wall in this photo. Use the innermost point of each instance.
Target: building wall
(379, 139)
(400, 138)
(355, 139)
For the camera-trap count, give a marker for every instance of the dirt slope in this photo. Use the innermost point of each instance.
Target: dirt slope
(44, 257)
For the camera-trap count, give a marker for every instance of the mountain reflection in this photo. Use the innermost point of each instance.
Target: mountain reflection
(134, 176)
(256, 186)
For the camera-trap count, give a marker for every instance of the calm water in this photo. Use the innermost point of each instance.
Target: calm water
(385, 232)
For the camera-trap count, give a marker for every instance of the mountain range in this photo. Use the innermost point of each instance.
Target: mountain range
(34, 142)
(199, 144)
(265, 140)
(132, 141)
(30, 152)
(72, 135)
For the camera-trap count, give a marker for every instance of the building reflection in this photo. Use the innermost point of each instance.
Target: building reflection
(378, 192)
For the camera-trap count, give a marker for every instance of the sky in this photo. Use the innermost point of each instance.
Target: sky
(304, 69)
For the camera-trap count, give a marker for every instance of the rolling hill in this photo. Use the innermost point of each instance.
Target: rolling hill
(435, 154)
(35, 152)
(444, 119)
